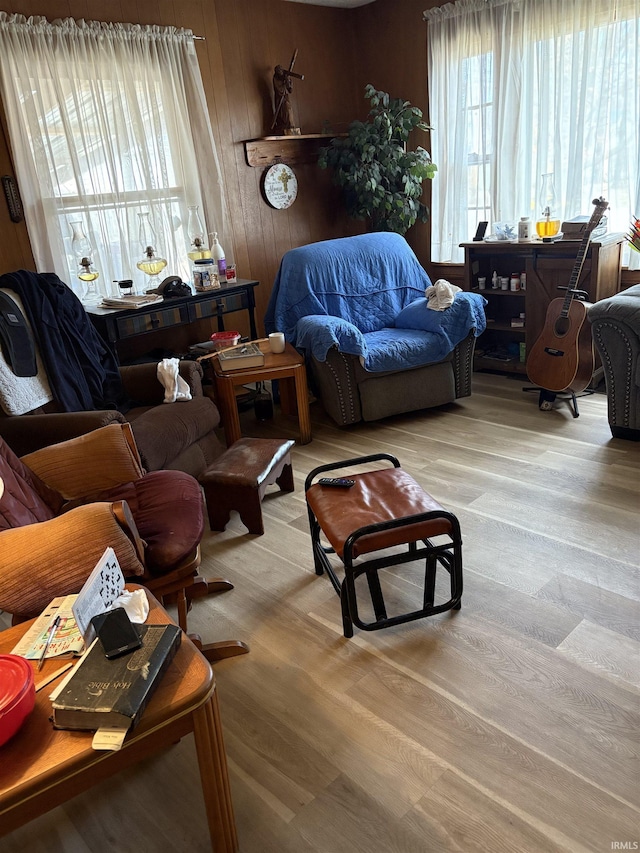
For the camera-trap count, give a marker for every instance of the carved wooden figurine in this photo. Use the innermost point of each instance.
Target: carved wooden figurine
(283, 121)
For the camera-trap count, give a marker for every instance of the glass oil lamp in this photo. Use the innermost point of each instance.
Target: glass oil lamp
(548, 223)
(151, 263)
(197, 236)
(88, 275)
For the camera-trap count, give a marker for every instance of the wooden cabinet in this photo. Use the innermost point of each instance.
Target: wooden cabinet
(547, 268)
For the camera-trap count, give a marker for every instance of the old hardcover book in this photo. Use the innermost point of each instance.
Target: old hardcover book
(242, 356)
(114, 693)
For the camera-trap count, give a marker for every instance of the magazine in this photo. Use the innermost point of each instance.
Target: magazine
(131, 301)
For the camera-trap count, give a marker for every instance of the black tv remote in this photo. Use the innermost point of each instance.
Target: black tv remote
(337, 482)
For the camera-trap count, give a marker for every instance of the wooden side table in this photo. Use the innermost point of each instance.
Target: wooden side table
(42, 767)
(287, 367)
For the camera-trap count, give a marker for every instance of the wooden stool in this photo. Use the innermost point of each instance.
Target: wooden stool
(238, 479)
(383, 510)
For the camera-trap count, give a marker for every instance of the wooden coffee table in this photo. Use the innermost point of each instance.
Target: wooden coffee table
(42, 767)
(287, 367)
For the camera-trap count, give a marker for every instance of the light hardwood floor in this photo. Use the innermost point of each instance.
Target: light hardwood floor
(510, 725)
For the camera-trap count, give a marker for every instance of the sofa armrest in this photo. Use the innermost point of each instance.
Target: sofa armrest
(616, 334)
(463, 365)
(88, 464)
(142, 386)
(41, 561)
(26, 433)
(337, 386)
(317, 334)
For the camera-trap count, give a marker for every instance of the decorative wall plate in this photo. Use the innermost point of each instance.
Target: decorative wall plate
(280, 186)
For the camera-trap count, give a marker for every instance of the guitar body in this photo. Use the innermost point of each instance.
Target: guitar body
(562, 359)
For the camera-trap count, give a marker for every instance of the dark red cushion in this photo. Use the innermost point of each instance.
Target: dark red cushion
(26, 498)
(168, 509)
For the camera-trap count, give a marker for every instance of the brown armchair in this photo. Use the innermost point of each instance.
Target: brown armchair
(61, 506)
(80, 386)
(179, 436)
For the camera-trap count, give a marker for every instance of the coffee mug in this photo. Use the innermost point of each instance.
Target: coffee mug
(276, 342)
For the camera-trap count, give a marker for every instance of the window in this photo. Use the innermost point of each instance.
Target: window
(108, 122)
(520, 88)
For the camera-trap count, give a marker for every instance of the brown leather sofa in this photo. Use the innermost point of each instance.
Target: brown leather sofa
(179, 435)
(79, 386)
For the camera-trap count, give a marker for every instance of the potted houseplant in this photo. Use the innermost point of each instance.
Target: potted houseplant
(380, 179)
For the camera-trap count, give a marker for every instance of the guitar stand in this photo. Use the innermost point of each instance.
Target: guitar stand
(546, 399)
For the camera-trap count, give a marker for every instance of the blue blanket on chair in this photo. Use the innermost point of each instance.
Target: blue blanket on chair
(351, 292)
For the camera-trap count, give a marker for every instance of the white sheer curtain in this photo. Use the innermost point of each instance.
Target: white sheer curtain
(108, 121)
(520, 88)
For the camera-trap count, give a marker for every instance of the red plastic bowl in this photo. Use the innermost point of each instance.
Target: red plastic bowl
(17, 694)
(225, 339)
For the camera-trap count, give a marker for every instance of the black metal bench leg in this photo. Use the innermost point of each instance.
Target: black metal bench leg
(347, 623)
(375, 590)
(429, 581)
(453, 564)
(315, 541)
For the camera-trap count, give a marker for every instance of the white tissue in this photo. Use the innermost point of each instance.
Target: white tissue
(175, 387)
(135, 603)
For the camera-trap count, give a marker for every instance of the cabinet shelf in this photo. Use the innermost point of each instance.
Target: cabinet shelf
(512, 366)
(548, 268)
(489, 292)
(505, 327)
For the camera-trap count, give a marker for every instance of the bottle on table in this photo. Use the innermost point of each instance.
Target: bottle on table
(217, 253)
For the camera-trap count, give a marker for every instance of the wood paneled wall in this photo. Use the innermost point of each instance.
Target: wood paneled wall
(393, 57)
(340, 50)
(244, 40)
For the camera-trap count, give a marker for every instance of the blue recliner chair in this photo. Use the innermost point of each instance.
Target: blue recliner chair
(356, 307)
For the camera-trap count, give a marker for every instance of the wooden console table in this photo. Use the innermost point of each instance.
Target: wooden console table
(119, 327)
(43, 767)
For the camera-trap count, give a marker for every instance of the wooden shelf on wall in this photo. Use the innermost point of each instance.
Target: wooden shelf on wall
(293, 150)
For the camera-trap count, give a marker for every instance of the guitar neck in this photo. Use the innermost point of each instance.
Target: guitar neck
(596, 216)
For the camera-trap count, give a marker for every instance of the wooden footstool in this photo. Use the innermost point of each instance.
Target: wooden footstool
(238, 479)
(384, 520)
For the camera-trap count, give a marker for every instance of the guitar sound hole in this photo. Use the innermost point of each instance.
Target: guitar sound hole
(562, 326)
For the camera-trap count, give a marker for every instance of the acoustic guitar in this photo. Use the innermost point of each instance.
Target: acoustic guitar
(562, 359)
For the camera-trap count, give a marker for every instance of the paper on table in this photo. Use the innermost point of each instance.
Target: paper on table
(101, 589)
(111, 739)
(67, 639)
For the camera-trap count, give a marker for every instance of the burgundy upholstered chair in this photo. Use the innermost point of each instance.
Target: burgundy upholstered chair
(64, 504)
